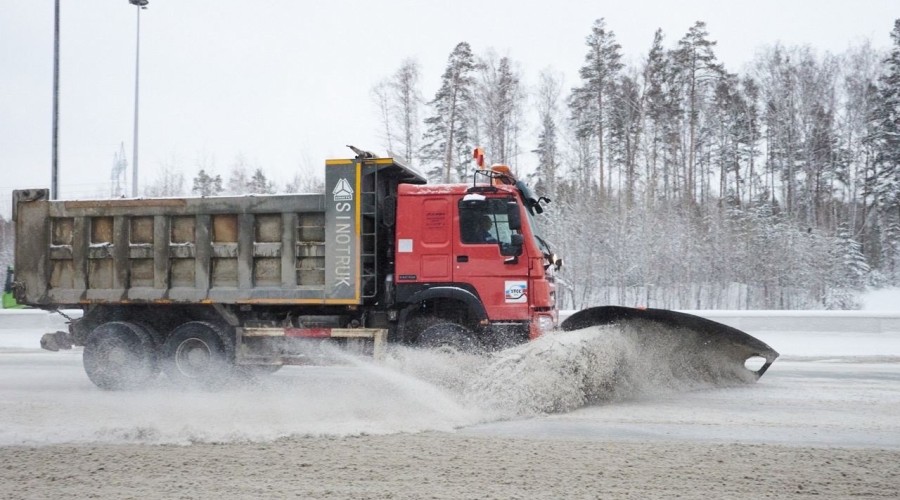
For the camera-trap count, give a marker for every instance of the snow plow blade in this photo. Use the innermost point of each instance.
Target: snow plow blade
(718, 350)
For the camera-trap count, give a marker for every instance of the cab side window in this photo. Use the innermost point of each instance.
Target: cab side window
(484, 222)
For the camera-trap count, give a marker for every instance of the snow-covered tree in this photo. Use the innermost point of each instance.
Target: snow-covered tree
(399, 101)
(498, 103)
(546, 174)
(446, 150)
(660, 122)
(406, 108)
(590, 102)
(848, 273)
(698, 71)
(625, 133)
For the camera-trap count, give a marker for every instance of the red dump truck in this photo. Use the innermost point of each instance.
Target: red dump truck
(203, 288)
(198, 287)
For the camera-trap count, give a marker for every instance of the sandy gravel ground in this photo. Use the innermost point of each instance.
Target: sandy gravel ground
(446, 465)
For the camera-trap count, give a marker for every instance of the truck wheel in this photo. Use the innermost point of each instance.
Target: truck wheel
(198, 354)
(120, 356)
(448, 337)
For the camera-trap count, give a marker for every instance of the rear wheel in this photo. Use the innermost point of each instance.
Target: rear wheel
(448, 337)
(119, 355)
(199, 354)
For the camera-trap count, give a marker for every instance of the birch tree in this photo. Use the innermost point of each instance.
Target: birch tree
(399, 101)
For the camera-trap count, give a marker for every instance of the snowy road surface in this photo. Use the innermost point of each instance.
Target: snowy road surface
(839, 389)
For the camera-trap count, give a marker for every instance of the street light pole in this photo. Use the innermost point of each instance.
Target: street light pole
(141, 5)
(54, 155)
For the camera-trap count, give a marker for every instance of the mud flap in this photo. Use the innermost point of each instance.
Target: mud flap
(709, 342)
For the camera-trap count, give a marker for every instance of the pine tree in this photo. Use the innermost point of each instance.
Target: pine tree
(207, 185)
(882, 178)
(259, 184)
(655, 116)
(625, 132)
(590, 102)
(887, 118)
(732, 132)
(698, 70)
(547, 150)
(847, 276)
(448, 128)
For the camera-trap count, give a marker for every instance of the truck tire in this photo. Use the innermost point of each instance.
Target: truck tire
(198, 355)
(119, 356)
(448, 337)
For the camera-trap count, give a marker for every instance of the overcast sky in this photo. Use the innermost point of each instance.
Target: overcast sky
(286, 83)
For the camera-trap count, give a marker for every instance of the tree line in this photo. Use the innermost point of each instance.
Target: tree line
(676, 182)
(243, 178)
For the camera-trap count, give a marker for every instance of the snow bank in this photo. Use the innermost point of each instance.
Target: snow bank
(885, 299)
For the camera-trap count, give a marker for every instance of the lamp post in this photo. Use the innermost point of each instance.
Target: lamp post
(141, 5)
(54, 154)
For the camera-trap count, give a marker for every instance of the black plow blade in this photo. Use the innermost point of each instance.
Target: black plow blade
(719, 351)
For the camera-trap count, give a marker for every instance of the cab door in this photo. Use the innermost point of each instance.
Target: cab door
(491, 257)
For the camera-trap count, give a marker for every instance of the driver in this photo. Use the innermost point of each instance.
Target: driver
(485, 224)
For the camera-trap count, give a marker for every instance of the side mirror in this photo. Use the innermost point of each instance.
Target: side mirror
(512, 215)
(513, 248)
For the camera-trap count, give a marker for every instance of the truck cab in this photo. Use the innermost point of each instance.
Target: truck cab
(470, 258)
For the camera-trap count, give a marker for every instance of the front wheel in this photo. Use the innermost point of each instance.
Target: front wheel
(448, 337)
(119, 356)
(198, 354)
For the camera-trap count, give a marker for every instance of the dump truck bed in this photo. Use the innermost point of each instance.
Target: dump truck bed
(246, 249)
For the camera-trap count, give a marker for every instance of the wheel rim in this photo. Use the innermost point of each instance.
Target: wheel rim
(118, 357)
(193, 357)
